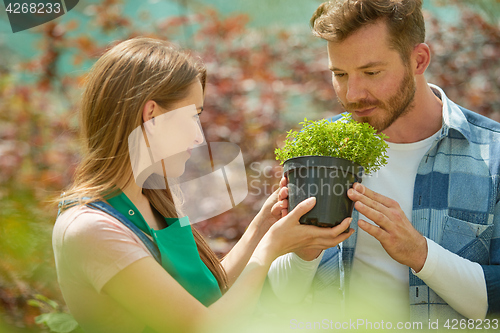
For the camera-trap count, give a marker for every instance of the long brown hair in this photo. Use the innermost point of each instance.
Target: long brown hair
(117, 88)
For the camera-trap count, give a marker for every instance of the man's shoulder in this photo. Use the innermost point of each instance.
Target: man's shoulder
(472, 126)
(480, 122)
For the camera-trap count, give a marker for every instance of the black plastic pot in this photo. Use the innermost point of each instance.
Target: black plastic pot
(327, 179)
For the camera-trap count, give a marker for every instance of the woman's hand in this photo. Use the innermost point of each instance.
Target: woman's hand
(273, 207)
(288, 235)
(282, 199)
(236, 260)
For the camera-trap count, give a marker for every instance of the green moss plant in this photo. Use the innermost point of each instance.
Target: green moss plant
(346, 138)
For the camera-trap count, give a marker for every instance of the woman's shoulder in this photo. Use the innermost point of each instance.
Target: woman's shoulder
(84, 225)
(91, 246)
(81, 218)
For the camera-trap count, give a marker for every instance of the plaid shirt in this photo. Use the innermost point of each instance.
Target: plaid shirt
(455, 204)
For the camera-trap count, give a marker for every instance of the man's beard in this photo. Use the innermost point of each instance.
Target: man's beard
(397, 105)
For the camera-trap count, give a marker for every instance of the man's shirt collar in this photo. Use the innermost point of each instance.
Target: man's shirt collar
(453, 117)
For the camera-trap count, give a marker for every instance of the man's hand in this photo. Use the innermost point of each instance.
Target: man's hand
(394, 231)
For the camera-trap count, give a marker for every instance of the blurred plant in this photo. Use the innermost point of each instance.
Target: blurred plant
(26, 265)
(488, 8)
(52, 317)
(465, 61)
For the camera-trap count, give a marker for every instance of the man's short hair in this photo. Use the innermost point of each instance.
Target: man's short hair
(337, 19)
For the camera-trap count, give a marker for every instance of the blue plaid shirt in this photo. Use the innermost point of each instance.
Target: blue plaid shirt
(455, 204)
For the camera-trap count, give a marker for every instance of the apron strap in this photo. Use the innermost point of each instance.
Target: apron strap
(120, 217)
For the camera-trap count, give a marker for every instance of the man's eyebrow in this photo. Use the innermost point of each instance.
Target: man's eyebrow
(374, 64)
(368, 65)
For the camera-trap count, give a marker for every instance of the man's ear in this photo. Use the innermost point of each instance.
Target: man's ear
(421, 57)
(148, 111)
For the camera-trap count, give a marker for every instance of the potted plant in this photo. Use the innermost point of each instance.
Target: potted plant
(324, 159)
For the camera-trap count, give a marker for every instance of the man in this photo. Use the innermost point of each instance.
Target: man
(427, 240)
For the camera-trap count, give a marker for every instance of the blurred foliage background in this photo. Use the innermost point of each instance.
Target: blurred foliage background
(266, 73)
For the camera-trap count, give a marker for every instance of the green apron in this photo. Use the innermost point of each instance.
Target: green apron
(179, 253)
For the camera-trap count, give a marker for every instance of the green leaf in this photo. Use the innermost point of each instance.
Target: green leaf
(47, 300)
(59, 322)
(35, 303)
(42, 319)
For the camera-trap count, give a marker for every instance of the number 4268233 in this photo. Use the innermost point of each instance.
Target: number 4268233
(33, 8)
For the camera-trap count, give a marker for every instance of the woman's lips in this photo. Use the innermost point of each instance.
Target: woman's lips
(365, 112)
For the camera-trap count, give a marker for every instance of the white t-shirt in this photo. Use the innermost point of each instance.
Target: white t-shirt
(91, 247)
(374, 272)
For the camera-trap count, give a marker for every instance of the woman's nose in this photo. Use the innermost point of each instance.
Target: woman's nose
(199, 134)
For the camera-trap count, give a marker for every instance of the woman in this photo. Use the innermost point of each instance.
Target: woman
(109, 278)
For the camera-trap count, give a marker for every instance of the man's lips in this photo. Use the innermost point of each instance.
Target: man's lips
(365, 112)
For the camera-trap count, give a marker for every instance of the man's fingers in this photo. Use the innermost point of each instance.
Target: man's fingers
(373, 230)
(373, 214)
(376, 197)
(366, 205)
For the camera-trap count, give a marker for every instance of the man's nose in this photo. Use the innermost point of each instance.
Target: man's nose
(355, 90)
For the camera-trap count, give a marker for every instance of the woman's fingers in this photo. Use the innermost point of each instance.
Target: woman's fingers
(329, 233)
(344, 225)
(283, 193)
(283, 196)
(323, 238)
(297, 237)
(278, 208)
(279, 200)
(283, 181)
(302, 208)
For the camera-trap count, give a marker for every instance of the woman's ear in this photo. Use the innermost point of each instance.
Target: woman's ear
(149, 110)
(421, 58)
